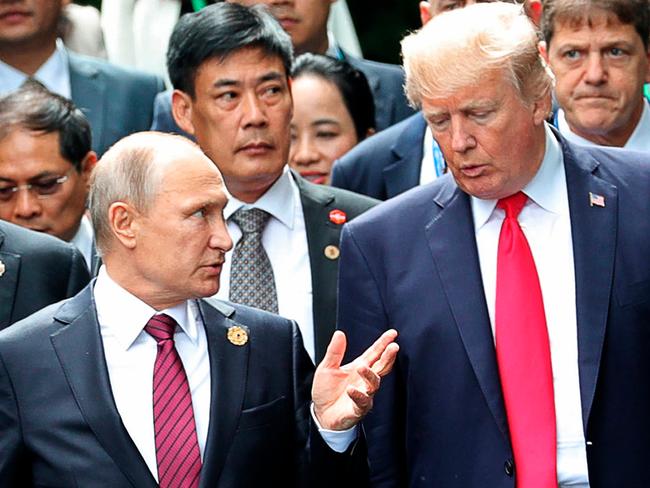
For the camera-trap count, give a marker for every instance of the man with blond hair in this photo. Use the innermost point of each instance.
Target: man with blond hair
(519, 282)
(139, 382)
(598, 51)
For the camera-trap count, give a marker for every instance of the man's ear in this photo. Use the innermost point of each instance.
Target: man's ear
(425, 12)
(182, 110)
(88, 163)
(542, 109)
(123, 221)
(543, 51)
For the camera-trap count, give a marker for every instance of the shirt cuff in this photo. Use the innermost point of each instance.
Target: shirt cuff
(338, 440)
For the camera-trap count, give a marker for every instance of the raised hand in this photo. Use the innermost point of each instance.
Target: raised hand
(343, 395)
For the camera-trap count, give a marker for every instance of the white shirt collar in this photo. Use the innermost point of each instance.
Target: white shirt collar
(126, 315)
(638, 141)
(278, 200)
(545, 189)
(83, 239)
(54, 73)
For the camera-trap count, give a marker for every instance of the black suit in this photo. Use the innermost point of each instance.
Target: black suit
(317, 203)
(386, 164)
(59, 425)
(116, 101)
(37, 270)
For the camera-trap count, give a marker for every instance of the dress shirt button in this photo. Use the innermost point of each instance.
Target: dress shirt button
(509, 467)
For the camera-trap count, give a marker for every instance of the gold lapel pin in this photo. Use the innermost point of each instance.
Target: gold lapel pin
(332, 252)
(238, 335)
(3, 268)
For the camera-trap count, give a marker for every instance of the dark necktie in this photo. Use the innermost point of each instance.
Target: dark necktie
(523, 354)
(177, 447)
(251, 276)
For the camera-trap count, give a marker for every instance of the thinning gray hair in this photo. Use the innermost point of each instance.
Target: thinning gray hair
(126, 173)
(458, 49)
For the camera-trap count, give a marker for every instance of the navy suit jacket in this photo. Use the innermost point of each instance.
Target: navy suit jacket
(387, 84)
(385, 164)
(116, 101)
(439, 419)
(37, 270)
(59, 425)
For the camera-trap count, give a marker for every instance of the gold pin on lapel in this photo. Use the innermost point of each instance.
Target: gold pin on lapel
(3, 268)
(238, 335)
(332, 252)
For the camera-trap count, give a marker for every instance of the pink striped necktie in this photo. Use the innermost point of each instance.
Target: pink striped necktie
(523, 354)
(177, 447)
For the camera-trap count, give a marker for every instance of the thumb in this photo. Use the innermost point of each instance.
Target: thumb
(335, 351)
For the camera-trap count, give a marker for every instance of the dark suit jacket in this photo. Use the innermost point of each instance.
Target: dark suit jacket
(38, 270)
(386, 164)
(317, 203)
(117, 101)
(387, 84)
(439, 420)
(59, 425)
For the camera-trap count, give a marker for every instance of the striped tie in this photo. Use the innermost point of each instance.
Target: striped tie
(177, 447)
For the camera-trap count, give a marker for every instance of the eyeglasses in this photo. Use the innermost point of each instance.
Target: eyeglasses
(42, 188)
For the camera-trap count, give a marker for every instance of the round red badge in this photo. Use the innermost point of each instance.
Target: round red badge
(338, 217)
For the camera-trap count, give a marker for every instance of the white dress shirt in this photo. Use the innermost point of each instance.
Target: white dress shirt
(83, 240)
(638, 141)
(285, 242)
(130, 355)
(53, 73)
(545, 221)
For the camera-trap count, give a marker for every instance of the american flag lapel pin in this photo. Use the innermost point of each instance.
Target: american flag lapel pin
(596, 200)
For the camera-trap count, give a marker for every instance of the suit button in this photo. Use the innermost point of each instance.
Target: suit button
(509, 467)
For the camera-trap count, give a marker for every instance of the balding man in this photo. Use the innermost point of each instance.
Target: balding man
(519, 282)
(137, 382)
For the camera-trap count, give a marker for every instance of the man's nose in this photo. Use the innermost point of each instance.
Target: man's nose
(596, 71)
(27, 205)
(254, 111)
(461, 139)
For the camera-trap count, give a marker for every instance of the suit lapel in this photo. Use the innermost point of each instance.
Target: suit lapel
(79, 348)
(404, 173)
(228, 375)
(320, 234)
(593, 231)
(460, 276)
(88, 93)
(8, 283)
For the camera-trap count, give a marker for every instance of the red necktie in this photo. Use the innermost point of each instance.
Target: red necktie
(177, 447)
(523, 354)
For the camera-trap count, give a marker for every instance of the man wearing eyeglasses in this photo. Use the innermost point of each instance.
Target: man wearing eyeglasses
(45, 163)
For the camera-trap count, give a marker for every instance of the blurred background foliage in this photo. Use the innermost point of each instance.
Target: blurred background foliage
(380, 25)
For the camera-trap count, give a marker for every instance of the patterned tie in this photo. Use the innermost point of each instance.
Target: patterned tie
(523, 354)
(177, 447)
(251, 276)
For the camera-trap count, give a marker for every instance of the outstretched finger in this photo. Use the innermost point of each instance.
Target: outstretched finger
(335, 351)
(374, 352)
(385, 363)
(371, 379)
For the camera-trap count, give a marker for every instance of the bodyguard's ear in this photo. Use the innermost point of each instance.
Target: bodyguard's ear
(122, 219)
(425, 12)
(182, 110)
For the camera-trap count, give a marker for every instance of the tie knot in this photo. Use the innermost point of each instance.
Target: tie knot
(250, 221)
(513, 204)
(161, 327)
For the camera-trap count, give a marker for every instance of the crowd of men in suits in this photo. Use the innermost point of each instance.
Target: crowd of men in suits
(513, 267)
